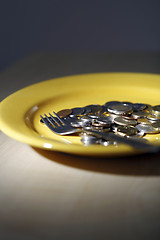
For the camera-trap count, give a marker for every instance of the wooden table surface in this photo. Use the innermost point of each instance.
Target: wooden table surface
(50, 195)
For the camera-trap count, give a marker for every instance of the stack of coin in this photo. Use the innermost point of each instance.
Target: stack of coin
(126, 119)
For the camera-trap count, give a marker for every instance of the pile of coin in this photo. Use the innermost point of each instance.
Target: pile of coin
(127, 119)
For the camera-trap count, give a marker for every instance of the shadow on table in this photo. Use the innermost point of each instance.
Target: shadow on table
(139, 165)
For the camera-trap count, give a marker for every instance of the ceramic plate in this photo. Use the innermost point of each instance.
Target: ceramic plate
(20, 112)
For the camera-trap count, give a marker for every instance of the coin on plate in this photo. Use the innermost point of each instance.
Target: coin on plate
(77, 111)
(138, 107)
(64, 113)
(125, 122)
(88, 139)
(76, 124)
(85, 119)
(102, 121)
(143, 121)
(153, 117)
(120, 109)
(156, 110)
(95, 108)
(126, 130)
(107, 104)
(148, 128)
(140, 114)
(156, 126)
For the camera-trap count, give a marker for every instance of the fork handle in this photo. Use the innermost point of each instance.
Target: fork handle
(138, 144)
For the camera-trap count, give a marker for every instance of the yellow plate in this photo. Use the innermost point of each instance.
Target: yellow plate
(20, 112)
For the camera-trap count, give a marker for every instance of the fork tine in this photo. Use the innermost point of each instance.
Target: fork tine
(59, 118)
(47, 124)
(54, 119)
(50, 120)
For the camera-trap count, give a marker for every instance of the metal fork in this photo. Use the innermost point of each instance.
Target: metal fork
(60, 127)
(63, 127)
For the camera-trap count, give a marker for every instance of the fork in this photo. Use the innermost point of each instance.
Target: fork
(60, 127)
(63, 127)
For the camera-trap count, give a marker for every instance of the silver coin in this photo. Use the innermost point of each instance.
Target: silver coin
(77, 111)
(87, 109)
(95, 108)
(126, 130)
(148, 128)
(128, 103)
(110, 103)
(93, 115)
(153, 117)
(138, 106)
(156, 126)
(114, 127)
(104, 109)
(125, 122)
(69, 119)
(156, 110)
(128, 117)
(87, 127)
(102, 121)
(112, 116)
(120, 109)
(148, 108)
(97, 128)
(140, 114)
(143, 121)
(89, 139)
(76, 124)
(85, 119)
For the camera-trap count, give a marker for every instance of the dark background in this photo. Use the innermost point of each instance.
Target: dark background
(77, 26)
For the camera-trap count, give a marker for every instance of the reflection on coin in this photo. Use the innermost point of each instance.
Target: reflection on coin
(138, 107)
(110, 103)
(148, 108)
(77, 111)
(88, 139)
(112, 116)
(85, 119)
(128, 103)
(156, 126)
(64, 113)
(103, 121)
(128, 116)
(126, 130)
(143, 121)
(140, 114)
(125, 122)
(120, 109)
(156, 110)
(100, 128)
(76, 124)
(93, 115)
(95, 108)
(114, 127)
(146, 128)
(153, 117)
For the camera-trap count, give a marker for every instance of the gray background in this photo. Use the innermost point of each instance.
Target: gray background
(77, 26)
